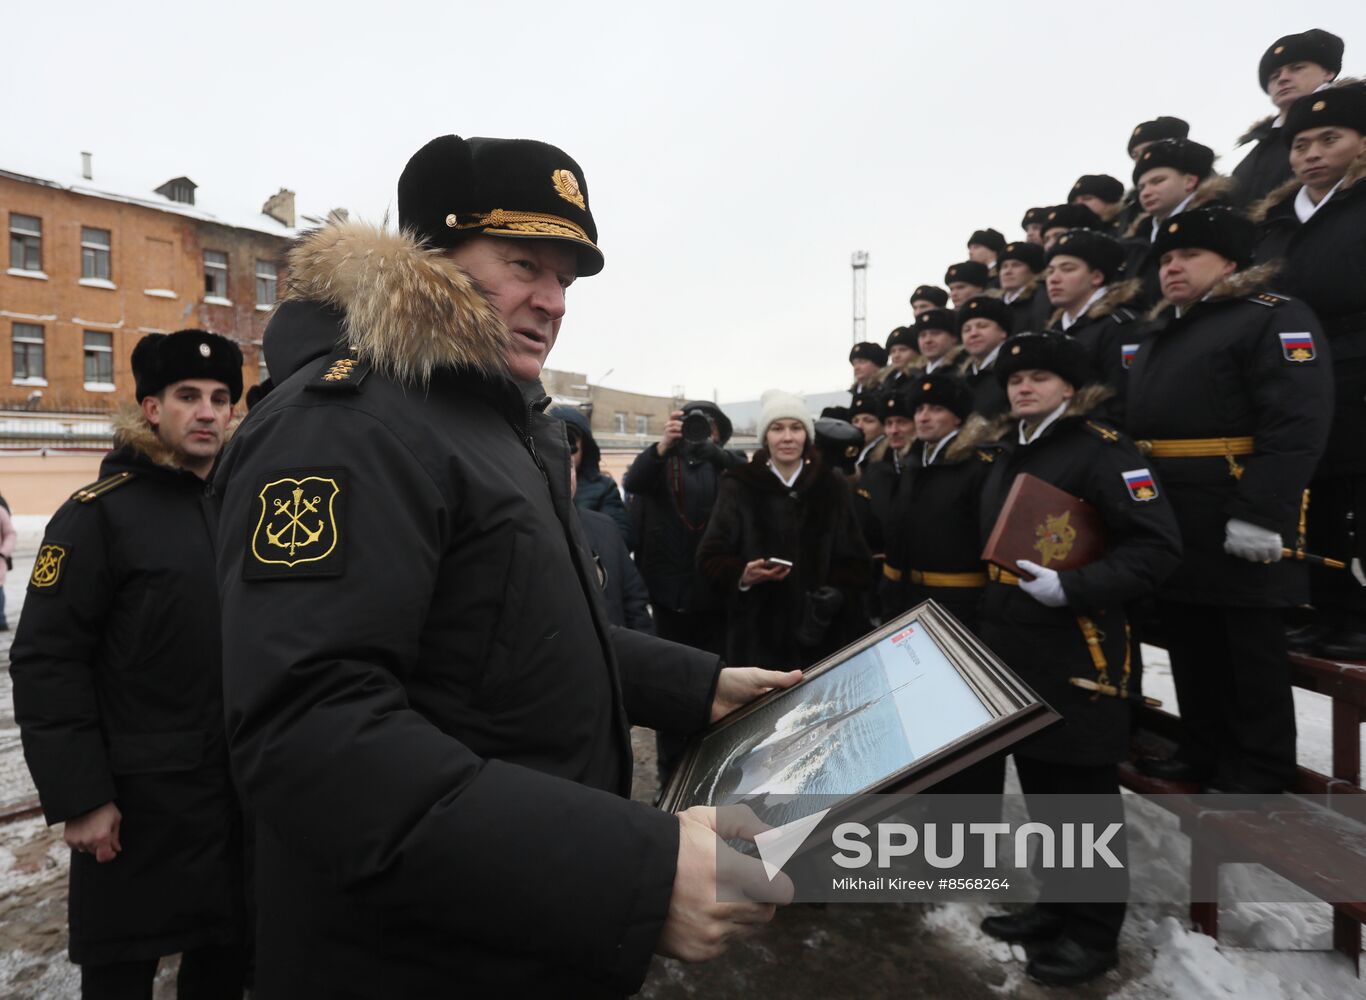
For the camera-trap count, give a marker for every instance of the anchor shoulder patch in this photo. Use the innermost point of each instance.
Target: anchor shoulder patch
(297, 526)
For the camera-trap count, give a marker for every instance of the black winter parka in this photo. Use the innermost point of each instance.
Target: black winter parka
(1323, 263)
(1229, 367)
(426, 705)
(118, 695)
(935, 524)
(1087, 458)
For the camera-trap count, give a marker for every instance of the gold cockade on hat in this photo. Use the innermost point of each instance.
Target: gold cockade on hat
(567, 187)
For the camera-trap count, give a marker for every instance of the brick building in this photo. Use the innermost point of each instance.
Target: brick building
(94, 264)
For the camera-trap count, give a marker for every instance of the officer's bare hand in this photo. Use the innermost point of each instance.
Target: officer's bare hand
(761, 571)
(97, 832)
(738, 686)
(673, 433)
(700, 926)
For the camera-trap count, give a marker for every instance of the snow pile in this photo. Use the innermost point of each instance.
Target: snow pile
(1189, 964)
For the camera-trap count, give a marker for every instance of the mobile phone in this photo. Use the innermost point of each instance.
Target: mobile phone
(772, 561)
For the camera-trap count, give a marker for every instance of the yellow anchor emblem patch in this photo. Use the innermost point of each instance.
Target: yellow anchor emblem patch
(298, 521)
(47, 567)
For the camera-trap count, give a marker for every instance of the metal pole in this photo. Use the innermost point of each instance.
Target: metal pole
(859, 263)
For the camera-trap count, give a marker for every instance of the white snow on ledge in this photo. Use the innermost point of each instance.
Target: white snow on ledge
(96, 283)
(32, 380)
(216, 300)
(19, 272)
(159, 293)
(99, 387)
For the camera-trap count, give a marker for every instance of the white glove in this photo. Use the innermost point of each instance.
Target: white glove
(1247, 541)
(1045, 588)
(1358, 572)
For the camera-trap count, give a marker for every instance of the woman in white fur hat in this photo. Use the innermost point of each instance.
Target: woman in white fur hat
(784, 548)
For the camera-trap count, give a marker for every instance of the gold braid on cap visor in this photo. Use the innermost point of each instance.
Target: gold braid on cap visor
(524, 224)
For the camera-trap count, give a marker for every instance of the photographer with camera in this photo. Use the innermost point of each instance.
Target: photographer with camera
(673, 485)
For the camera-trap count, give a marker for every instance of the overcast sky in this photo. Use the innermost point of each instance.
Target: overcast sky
(736, 153)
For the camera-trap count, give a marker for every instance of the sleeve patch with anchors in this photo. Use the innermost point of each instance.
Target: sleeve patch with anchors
(48, 566)
(297, 526)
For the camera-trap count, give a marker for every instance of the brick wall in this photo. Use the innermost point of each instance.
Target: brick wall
(157, 274)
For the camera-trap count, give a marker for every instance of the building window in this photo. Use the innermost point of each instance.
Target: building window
(25, 242)
(28, 353)
(215, 274)
(619, 423)
(95, 253)
(99, 358)
(642, 424)
(265, 283)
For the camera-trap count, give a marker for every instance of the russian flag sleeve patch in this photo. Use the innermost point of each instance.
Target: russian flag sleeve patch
(1297, 346)
(1140, 484)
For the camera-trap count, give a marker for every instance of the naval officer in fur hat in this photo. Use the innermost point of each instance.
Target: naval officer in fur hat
(118, 689)
(426, 705)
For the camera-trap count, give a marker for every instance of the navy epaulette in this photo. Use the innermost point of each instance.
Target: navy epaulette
(1269, 299)
(986, 455)
(342, 372)
(1124, 315)
(1102, 431)
(88, 494)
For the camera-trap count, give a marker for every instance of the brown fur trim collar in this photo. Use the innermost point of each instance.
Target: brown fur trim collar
(1235, 286)
(408, 309)
(1214, 188)
(132, 430)
(1083, 404)
(1258, 213)
(975, 432)
(1115, 297)
(948, 362)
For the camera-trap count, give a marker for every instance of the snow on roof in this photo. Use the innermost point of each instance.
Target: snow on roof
(117, 184)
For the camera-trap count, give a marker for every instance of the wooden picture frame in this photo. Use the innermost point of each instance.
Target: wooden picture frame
(842, 731)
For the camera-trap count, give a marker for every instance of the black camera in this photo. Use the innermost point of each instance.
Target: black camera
(696, 427)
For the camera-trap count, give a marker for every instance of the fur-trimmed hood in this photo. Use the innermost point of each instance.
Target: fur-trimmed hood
(1261, 128)
(1087, 399)
(1259, 212)
(1214, 188)
(1115, 297)
(406, 309)
(131, 430)
(1238, 284)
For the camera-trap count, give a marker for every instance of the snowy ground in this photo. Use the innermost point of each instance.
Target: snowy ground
(1266, 952)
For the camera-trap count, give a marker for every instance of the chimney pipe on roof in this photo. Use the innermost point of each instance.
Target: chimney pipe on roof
(85, 166)
(280, 207)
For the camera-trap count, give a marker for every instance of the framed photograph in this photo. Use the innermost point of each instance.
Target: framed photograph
(906, 706)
